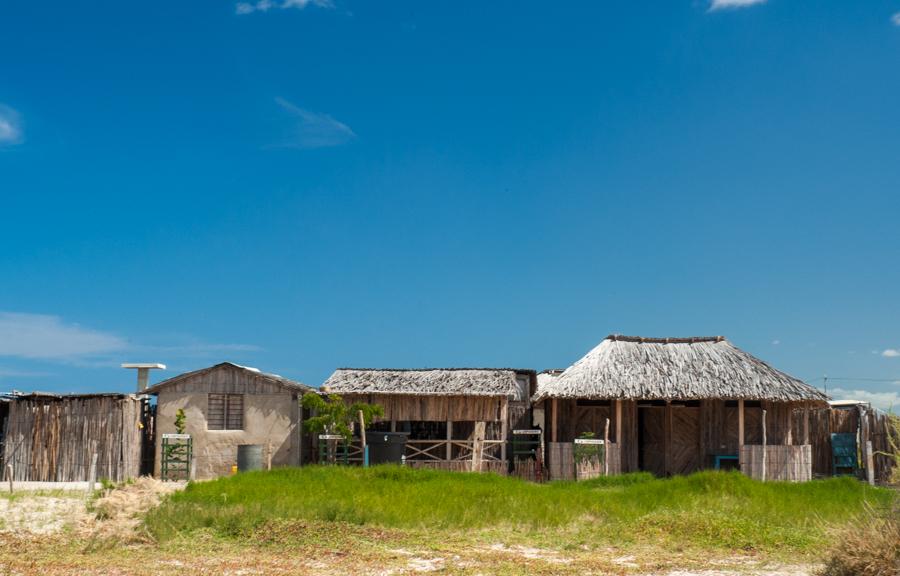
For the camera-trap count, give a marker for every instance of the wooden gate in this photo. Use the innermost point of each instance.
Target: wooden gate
(684, 440)
(652, 439)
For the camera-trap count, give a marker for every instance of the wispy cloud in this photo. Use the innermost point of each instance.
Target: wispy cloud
(891, 353)
(733, 4)
(882, 400)
(10, 126)
(242, 8)
(44, 336)
(14, 373)
(895, 19)
(776, 342)
(314, 129)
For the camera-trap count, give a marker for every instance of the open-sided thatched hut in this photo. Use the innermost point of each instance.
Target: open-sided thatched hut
(441, 409)
(676, 405)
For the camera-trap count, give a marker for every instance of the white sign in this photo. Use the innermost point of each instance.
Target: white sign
(588, 441)
(176, 436)
(526, 431)
(330, 437)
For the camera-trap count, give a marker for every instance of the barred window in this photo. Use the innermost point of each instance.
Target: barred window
(225, 412)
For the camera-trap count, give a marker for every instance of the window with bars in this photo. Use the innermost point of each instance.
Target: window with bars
(225, 412)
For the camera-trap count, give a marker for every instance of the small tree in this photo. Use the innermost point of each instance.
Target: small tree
(180, 421)
(333, 416)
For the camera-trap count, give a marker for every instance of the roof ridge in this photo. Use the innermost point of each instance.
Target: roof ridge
(670, 340)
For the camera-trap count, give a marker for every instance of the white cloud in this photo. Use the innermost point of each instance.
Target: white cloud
(891, 353)
(266, 5)
(10, 126)
(45, 336)
(896, 19)
(882, 400)
(733, 4)
(776, 342)
(314, 129)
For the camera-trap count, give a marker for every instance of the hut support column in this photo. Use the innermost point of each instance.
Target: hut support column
(449, 438)
(740, 433)
(554, 409)
(504, 429)
(619, 423)
(806, 423)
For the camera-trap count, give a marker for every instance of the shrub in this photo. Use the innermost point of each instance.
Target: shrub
(870, 547)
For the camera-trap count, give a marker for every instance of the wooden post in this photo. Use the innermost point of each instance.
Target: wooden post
(269, 455)
(393, 425)
(477, 446)
(362, 440)
(764, 450)
(504, 431)
(806, 423)
(300, 435)
(740, 433)
(789, 437)
(9, 476)
(92, 474)
(606, 448)
(554, 409)
(449, 456)
(619, 423)
(870, 463)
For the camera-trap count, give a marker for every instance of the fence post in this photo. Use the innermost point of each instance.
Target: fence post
(92, 474)
(9, 476)
(606, 448)
(362, 438)
(870, 463)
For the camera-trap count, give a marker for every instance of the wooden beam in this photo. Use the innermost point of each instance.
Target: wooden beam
(619, 424)
(806, 423)
(764, 451)
(789, 437)
(606, 448)
(449, 438)
(667, 439)
(504, 429)
(554, 409)
(740, 432)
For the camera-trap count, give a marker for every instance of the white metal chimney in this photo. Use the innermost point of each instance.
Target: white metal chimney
(144, 373)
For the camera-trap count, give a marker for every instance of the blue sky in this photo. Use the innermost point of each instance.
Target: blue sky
(302, 185)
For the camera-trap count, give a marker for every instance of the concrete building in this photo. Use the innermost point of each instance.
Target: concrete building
(228, 405)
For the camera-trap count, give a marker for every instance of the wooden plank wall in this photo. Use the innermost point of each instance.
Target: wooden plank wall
(54, 439)
(433, 408)
(788, 463)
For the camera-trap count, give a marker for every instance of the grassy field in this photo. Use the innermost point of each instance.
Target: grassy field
(393, 521)
(708, 510)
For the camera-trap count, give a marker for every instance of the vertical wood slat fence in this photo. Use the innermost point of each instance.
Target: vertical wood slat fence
(54, 438)
(780, 462)
(561, 462)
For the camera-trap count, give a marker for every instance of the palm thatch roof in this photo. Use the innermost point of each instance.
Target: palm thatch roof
(254, 372)
(632, 367)
(427, 382)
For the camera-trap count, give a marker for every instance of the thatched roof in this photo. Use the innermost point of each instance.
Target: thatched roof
(271, 378)
(674, 369)
(427, 382)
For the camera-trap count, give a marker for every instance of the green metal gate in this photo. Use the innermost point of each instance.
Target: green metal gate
(177, 451)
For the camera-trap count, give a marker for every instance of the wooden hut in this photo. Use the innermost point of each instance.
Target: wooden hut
(52, 438)
(448, 412)
(228, 405)
(676, 405)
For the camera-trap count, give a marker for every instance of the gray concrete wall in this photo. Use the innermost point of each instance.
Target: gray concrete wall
(267, 418)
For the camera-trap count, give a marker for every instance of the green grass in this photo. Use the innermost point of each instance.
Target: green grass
(705, 510)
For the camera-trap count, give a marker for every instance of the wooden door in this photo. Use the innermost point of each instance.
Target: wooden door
(684, 440)
(652, 439)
